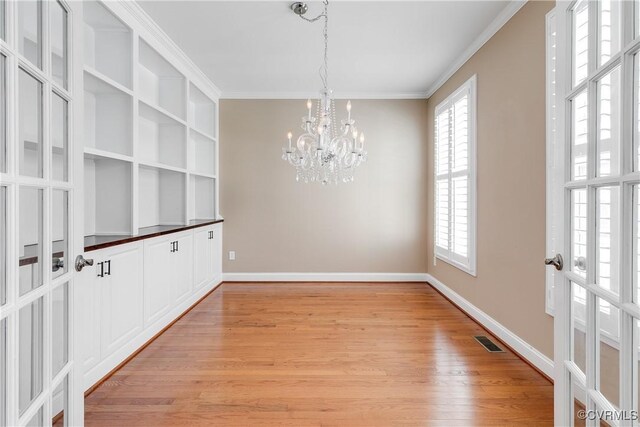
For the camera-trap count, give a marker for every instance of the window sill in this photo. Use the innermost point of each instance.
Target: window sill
(465, 268)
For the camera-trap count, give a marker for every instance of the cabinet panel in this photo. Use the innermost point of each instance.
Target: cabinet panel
(216, 252)
(183, 268)
(91, 313)
(158, 275)
(121, 297)
(202, 256)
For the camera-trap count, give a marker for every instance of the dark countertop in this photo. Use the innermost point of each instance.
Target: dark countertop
(93, 243)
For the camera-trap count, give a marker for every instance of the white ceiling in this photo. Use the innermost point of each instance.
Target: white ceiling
(386, 49)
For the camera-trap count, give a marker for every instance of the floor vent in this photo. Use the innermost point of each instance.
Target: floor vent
(489, 345)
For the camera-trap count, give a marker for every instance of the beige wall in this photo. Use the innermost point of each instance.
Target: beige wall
(510, 282)
(375, 224)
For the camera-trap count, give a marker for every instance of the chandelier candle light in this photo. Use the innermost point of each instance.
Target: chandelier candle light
(325, 152)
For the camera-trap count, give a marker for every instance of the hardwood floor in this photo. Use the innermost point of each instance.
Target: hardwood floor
(374, 354)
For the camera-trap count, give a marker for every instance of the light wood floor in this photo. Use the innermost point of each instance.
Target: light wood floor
(322, 354)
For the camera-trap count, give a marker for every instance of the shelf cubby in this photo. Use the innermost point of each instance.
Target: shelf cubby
(161, 139)
(108, 112)
(161, 195)
(108, 43)
(203, 198)
(108, 196)
(160, 83)
(202, 112)
(203, 153)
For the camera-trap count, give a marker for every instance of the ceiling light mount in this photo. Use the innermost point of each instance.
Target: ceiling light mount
(299, 8)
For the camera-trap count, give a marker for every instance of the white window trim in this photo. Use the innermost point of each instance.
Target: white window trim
(467, 265)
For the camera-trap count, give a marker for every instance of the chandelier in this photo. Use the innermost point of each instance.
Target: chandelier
(325, 152)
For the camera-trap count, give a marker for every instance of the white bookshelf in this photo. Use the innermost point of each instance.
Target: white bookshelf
(201, 108)
(159, 83)
(108, 196)
(162, 197)
(203, 153)
(151, 147)
(108, 121)
(107, 43)
(202, 198)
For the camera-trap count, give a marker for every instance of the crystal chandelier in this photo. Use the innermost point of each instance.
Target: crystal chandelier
(324, 152)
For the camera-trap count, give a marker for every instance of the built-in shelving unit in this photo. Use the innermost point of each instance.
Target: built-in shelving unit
(161, 138)
(202, 198)
(108, 43)
(160, 83)
(151, 143)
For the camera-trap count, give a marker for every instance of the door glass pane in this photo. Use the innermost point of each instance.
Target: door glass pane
(30, 30)
(30, 132)
(610, 28)
(30, 353)
(59, 138)
(31, 253)
(579, 138)
(59, 233)
(3, 113)
(579, 398)
(636, 360)
(2, 22)
(579, 232)
(3, 372)
(578, 319)
(3, 245)
(609, 126)
(60, 331)
(580, 41)
(37, 420)
(636, 105)
(60, 403)
(607, 238)
(636, 241)
(609, 355)
(59, 44)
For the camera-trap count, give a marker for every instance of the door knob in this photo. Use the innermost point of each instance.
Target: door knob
(57, 264)
(82, 263)
(556, 261)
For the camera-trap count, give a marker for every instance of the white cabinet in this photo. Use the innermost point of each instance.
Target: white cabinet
(112, 296)
(121, 290)
(183, 268)
(168, 273)
(207, 255)
(157, 277)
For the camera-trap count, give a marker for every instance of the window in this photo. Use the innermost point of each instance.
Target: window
(455, 178)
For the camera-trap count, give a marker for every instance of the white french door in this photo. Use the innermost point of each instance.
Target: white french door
(40, 383)
(597, 295)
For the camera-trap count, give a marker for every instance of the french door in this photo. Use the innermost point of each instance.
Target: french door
(40, 383)
(597, 295)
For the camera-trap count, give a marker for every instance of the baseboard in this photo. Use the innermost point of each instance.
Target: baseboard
(325, 277)
(524, 349)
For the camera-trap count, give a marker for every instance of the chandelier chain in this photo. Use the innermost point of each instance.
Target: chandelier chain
(324, 69)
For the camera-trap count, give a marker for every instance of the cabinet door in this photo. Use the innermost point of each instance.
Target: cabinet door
(183, 268)
(158, 275)
(91, 315)
(216, 253)
(121, 297)
(202, 256)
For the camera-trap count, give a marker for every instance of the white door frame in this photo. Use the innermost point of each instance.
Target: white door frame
(567, 372)
(70, 371)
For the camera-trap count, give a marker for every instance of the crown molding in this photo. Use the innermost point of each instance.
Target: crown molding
(316, 94)
(505, 15)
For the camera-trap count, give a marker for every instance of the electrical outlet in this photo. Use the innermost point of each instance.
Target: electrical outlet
(232, 255)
